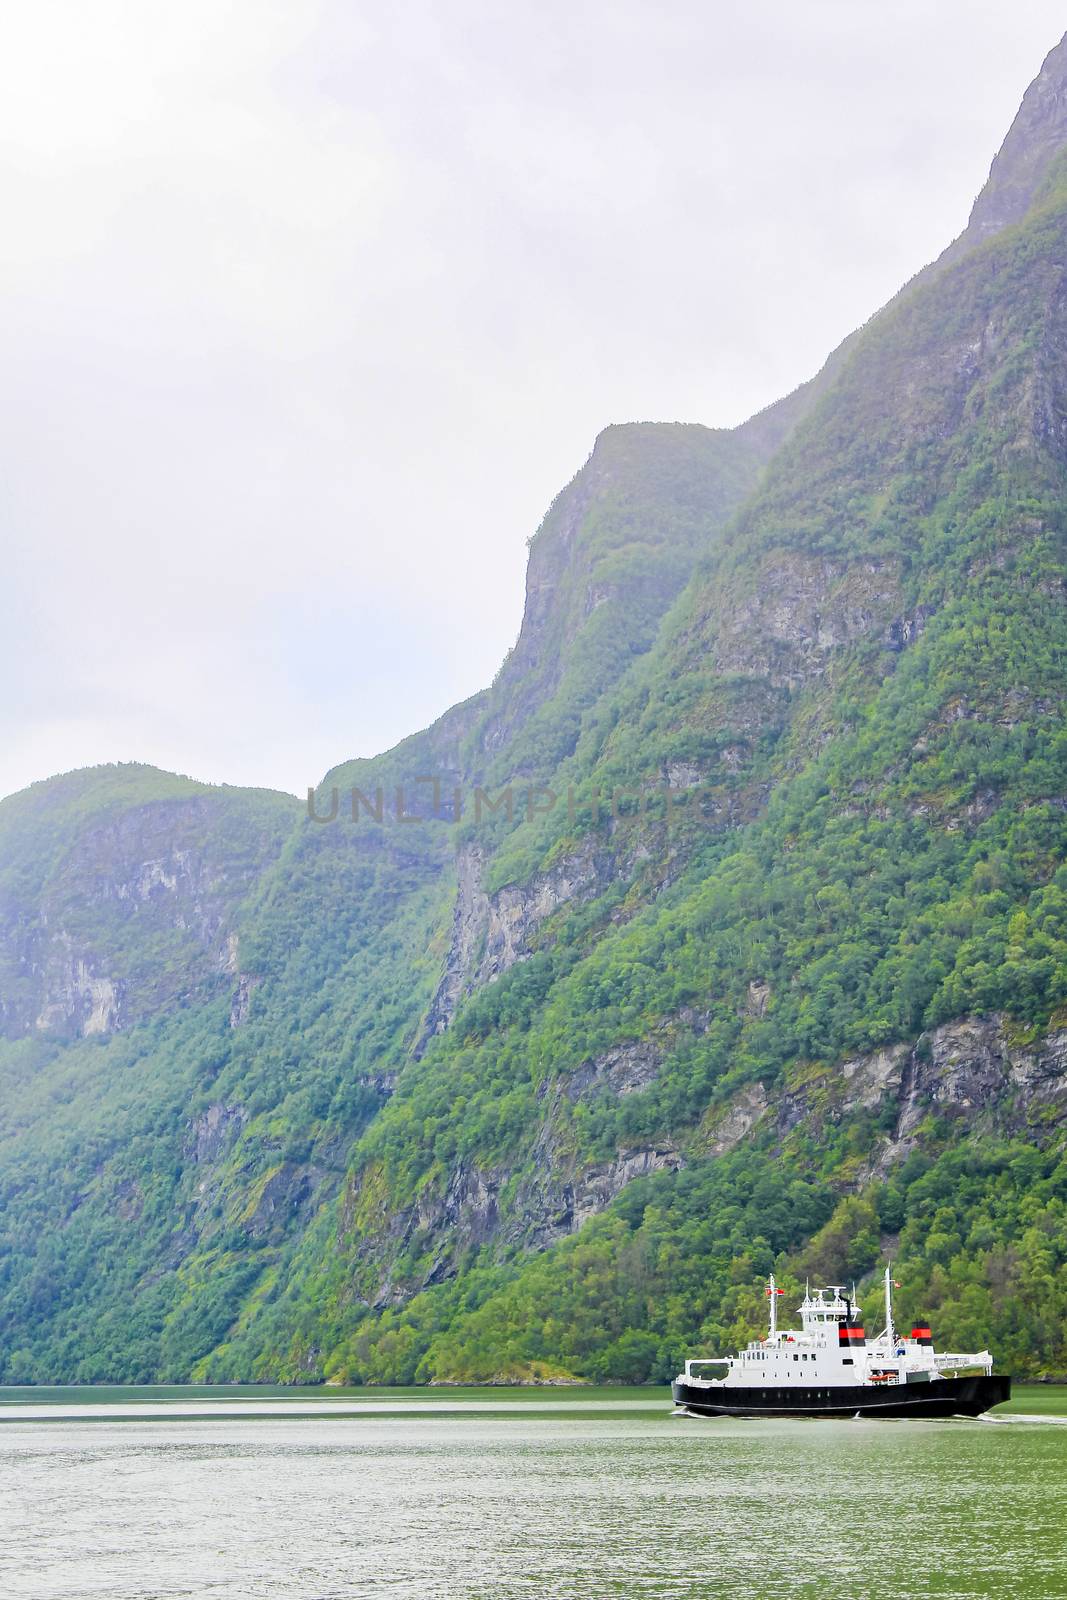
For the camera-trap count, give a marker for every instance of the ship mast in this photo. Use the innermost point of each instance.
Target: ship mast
(772, 1293)
(889, 1331)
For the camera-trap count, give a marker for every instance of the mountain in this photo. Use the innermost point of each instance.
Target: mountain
(726, 929)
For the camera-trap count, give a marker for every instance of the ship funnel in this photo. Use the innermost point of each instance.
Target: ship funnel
(851, 1334)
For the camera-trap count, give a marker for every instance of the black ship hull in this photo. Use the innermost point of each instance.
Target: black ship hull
(941, 1397)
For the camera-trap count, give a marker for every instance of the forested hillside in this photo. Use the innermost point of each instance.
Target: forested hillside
(763, 962)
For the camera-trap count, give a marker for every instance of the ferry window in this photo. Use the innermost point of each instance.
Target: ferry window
(846, 1361)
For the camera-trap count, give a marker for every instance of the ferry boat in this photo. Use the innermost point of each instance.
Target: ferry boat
(828, 1368)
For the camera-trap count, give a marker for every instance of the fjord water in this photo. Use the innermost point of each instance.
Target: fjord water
(463, 1494)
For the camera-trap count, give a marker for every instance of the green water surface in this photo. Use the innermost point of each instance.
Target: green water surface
(451, 1494)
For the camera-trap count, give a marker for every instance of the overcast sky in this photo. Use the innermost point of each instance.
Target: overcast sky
(309, 309)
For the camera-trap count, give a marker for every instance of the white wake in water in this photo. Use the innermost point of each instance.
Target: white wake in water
(1026, 1416)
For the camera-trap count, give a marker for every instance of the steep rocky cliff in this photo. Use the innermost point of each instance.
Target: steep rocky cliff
(1035, 141)
(119, 894)
(727, 928)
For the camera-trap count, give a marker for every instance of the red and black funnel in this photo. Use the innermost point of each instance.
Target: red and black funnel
(850, 1334)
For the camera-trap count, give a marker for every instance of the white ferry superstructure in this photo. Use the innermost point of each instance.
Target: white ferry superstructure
(828, 1368)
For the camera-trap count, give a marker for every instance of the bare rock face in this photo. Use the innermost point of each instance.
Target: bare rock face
(139, 912)
(551, 1196)
(975, 1069)
(972, 1070)
(212, 1134)
(247, 984)
(470, 921)
(76, 998)
(516, 912)
(801, 610)
(562, 1195)
(683, 774)
(467, 1214)
(1035, 139)
(208, 1143)
(264, 1206)
(503, 1207)
(758, 998)
(903, 631)
(623, 1070)
(867, 1079)
(965, 1068)
(555, 1202)
(490, 933)
(1040, 1070)
(287, 1194)
(597, 1186)
(744, 1112)
(532, 669)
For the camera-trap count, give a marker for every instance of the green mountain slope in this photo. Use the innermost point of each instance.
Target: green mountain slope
(766, 966)
(208, 995)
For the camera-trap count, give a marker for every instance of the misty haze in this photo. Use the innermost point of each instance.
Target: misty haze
(533, 911)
